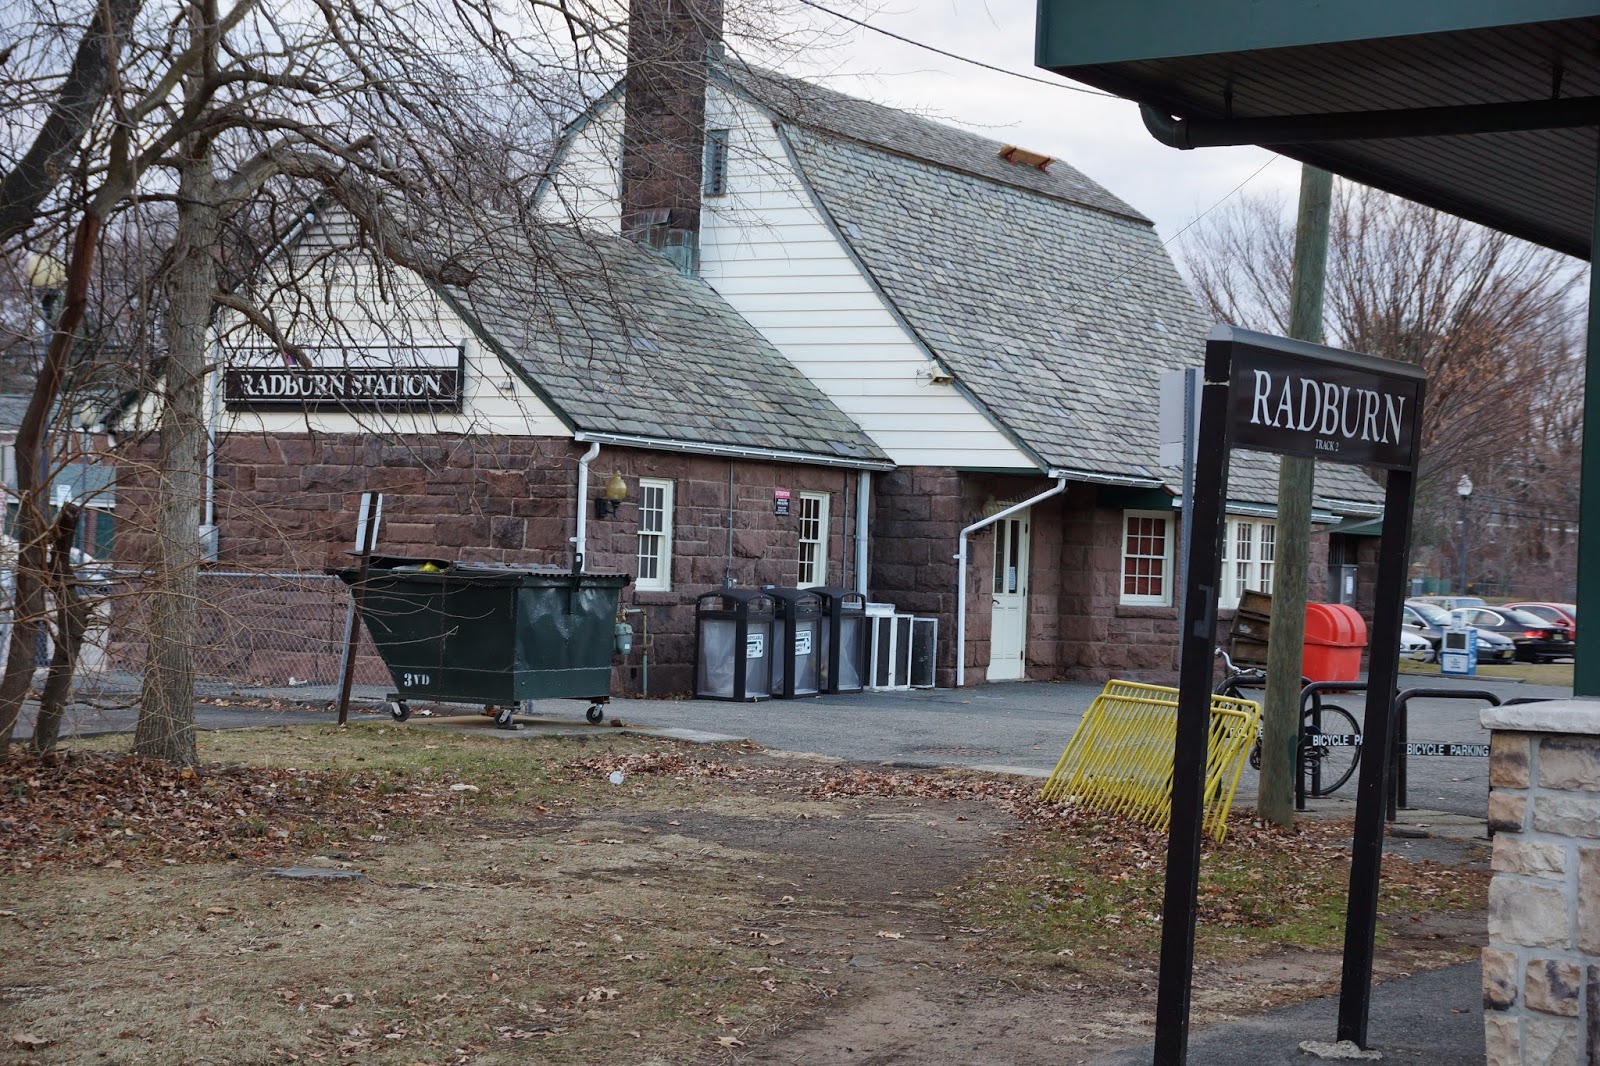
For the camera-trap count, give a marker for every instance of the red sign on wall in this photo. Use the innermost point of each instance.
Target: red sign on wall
(780, 501)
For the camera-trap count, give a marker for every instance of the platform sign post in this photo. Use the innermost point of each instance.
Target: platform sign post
(1270, 394)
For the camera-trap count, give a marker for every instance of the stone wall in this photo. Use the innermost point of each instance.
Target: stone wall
(290, 504)
(1541, 970)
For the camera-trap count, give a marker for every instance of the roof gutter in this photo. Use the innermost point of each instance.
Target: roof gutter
(1187, 133)
(732, 451)
(961, 569)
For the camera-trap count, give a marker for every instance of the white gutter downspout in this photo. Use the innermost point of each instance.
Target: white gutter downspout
(863, 502)
(580, 542)
(961, 571)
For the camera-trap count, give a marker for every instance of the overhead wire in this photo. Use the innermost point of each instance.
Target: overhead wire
(1055, 83)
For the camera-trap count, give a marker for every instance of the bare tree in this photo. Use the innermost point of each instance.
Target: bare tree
(1491, 319)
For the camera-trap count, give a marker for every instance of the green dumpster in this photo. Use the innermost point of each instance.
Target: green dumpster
(490, 635)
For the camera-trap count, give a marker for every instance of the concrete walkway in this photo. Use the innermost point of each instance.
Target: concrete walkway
(1433, 1018)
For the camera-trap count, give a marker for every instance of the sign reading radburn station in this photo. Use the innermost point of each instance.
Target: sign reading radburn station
(398, 380)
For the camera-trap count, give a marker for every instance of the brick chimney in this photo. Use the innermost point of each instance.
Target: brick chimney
(664, 119)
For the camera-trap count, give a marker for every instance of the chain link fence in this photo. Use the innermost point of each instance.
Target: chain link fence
(276, 632)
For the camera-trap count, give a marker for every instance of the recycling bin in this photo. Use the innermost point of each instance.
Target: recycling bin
(490, 635)
(1335, 635)
(796, 642)
(844, 639)
(733, 645)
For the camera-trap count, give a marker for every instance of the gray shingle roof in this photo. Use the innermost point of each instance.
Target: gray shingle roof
(621, 342)
(812, 106)
(1055, 304)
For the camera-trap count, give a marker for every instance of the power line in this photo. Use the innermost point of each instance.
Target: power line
(1056, 83)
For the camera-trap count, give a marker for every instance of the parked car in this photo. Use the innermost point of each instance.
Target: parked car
(1429, 620)
(1414, 645)
(1537, 641)
(1450, 603)
(1560, 614)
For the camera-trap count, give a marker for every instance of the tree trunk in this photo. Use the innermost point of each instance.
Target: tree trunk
(166, 711)
(72, 621)
(33, 486)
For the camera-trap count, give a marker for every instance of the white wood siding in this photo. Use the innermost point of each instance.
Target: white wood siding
(766, 248)
(344, 303)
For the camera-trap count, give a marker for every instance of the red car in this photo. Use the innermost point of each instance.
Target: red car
(1561, 614)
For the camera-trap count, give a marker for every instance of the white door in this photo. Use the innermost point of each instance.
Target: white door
(1008, 635)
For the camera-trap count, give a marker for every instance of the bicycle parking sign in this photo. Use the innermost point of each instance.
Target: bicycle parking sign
(1270, 394)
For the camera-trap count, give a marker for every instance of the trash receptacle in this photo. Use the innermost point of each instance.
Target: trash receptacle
(844, 639)
(796, 642)
(1335, 635)
(490, 635)
(733, 645)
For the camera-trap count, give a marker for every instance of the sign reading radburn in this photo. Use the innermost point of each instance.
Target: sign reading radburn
(1303, 399)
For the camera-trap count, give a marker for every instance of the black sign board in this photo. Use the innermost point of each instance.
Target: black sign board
(1352, 409)
(1269, 394)
(425, 383)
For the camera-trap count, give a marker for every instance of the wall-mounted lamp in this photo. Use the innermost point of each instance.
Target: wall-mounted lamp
(616, 491)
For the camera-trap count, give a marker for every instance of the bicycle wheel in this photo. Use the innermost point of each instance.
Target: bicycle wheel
(1329, 754)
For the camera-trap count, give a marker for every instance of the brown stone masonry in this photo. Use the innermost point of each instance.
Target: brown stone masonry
(289, 504)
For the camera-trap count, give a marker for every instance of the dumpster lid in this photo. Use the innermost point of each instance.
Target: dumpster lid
(433, 564)
(1335, 624)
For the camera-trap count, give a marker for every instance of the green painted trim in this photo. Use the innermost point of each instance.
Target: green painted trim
(1074, 33)
(1586, 668)
(1130, 499)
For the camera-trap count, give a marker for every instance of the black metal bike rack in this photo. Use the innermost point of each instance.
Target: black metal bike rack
(1312, 693)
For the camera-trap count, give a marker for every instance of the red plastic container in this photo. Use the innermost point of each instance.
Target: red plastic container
(1335, 635)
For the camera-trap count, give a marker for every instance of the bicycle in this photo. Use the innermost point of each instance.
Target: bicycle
(1330, 739)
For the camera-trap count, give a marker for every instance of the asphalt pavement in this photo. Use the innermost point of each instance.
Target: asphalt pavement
(1018, 727)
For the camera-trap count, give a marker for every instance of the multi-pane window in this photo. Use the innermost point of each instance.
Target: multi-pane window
(813, 539)
(1247, 562)
(1147, 557)
(655, 536)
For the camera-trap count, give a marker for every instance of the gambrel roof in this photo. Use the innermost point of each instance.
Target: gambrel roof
(1054, 304)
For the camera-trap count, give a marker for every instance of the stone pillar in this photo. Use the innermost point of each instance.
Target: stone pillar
(1541, 970)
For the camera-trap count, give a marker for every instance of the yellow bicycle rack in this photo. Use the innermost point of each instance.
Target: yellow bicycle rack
(1120, 758)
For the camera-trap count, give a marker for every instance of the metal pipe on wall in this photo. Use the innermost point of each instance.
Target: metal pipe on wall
(863, 508)
(961, 571)
(579, 540)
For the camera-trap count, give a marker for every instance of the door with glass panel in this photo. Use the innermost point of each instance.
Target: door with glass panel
(1009, 584)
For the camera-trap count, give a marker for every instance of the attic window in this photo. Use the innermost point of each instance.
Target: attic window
(715, 165)
(1023, 158)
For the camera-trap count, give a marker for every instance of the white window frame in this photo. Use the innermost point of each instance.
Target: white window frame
(654, 544)
(819, 542)
(1255, 567)
(1164, 598)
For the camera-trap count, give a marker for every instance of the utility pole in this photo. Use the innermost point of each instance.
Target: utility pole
(1292, 545)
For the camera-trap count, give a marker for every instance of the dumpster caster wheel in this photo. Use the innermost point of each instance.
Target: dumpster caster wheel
(596, 714)
(399, 711)
(505, 718)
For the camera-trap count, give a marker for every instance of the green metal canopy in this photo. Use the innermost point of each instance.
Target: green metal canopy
(1486, 109)
(1483, 108)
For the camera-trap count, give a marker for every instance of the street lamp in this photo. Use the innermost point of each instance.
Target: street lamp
(1463, 490)
(48, 276)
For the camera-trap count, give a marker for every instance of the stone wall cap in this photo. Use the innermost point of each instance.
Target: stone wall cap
(1548, 716)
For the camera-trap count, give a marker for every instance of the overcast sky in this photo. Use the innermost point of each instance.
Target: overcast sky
(1102, 137)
